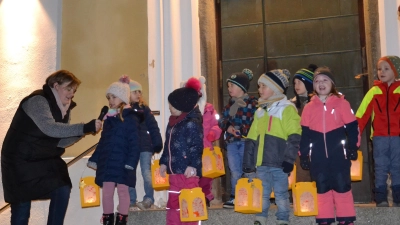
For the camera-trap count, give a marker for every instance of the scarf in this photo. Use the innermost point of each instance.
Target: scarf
(176, 119)
(63, 108)
(265, 104)
(238, 102)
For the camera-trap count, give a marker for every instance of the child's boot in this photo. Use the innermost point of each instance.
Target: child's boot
(381, 197)
(346, 223)
(260, 220)
(121, 219)
(108, 219)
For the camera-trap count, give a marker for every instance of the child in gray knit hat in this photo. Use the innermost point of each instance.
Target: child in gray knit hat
(272, 143)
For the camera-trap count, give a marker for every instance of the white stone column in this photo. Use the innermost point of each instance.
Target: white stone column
(389, 27)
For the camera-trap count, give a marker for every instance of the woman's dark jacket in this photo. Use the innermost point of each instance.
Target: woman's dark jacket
(149, 134)
(118, 146)
(31, 162)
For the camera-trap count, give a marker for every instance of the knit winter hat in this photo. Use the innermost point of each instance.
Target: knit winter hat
(306, 76)
(135, 86)
(277, 80)
(324, 70)
(241, 79)
(120, 89)
(202, 92)
(394, 62)
(185, 99)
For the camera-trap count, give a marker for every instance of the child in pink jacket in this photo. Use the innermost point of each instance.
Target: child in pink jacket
(211, 132)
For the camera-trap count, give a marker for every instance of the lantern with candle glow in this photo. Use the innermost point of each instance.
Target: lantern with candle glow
(192, 205)
(357, 167)
(305, 202)
(248, 196)
(159, 183)
(213, 163)
(89, 192)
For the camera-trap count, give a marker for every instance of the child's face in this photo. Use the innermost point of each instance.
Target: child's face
(234, 90)
(322, 85)
(174, 112)
(135, 96)
(385, 72)
(113, 101)
(299, 87)
(264, 91)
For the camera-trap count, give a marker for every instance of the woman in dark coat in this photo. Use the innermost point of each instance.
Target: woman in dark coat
(31, 163)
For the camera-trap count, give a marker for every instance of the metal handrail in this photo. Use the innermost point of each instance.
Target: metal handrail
(74, 160)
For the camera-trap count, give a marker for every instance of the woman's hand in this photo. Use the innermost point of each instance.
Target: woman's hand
(190, 172)
(163, 170)
(98, 125)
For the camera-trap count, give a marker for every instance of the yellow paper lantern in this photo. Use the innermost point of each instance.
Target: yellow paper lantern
(89, 192)
(248, 196)
(192, 205)
(159, 183)
(213, 163)
(305, 202)
(357, 167)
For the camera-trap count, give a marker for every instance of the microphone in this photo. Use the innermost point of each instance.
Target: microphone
(103, 112)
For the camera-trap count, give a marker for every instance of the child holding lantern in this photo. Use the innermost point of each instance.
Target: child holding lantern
(329, 141)
(183, 146)
(272, 143)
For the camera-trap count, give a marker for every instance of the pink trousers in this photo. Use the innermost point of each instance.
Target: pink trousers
(342, 202)
(206, 184)
(178, 182)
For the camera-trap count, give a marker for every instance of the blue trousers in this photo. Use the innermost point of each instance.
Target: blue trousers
(145, 167)
(235, 152)
(59, 198)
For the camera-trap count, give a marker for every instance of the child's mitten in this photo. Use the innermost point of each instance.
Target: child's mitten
(92, 165)
(305, 162)
(211, 136)
(352, 154)
(287, 167)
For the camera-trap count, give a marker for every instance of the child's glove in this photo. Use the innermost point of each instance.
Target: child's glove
(211, 136)
(128, 167)
(157, 149)
(163, 170)
(305, 162)
(287, 167)
(249, 176)
(352, 154)
(190, 172)
(92, 165)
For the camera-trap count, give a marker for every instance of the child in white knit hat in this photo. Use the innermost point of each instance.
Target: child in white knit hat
(273, 143)
(117, 154)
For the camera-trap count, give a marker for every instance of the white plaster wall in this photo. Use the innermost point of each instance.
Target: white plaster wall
(389, 27)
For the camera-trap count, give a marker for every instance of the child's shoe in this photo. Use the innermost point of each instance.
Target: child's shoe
(260, 220)
(133, 207)
(382, 204)
(282, 222)
(107, 219)
(229, 204)
(346, 223)
(121, 219)
(381, 197)
(145, 204)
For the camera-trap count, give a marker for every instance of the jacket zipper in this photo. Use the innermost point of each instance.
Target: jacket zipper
(387, 109)
(169, 150)
(397, 105)
(379, 107)
(326, 149)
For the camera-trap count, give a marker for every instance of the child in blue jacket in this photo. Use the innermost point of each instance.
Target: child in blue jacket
(117, 153)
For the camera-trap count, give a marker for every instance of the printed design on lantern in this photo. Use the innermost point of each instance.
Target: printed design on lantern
(89, 193)
(355, 167)
(220, 162)
(241, 199)
(184, 209)
(306, 202)
(198, 207)
(256, 197)
(294, 201)
(158, 178)
(207, 164)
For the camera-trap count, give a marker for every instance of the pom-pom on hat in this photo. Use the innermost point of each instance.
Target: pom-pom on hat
(241, 79)
(277, 80)
(306, 75)
(202, 93)
(120, 89)
(135, 86)
(185, 98)
(394, 62)
(324, 70)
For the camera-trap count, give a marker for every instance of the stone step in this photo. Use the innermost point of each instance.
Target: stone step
(366, 214)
